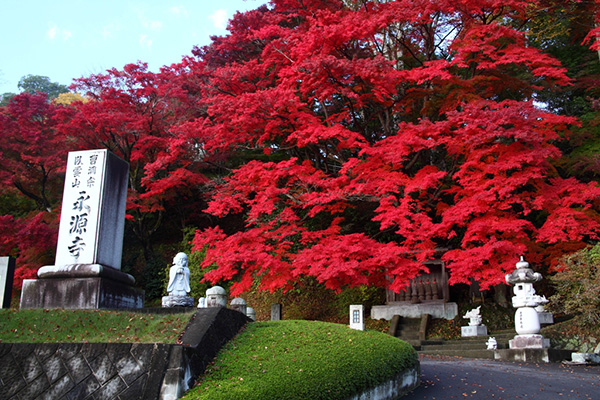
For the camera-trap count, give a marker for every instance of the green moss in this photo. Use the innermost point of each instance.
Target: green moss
(303, 360)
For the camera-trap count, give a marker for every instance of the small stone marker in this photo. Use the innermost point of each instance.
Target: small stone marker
(250, 313)
(87, 270)
(357, 317)
(7, 273)
(276, 312)
(216, 296)
(239, 304)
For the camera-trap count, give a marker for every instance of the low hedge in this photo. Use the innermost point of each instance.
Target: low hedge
(303, 360)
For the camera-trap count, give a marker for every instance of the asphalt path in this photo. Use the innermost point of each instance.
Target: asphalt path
(460, 378)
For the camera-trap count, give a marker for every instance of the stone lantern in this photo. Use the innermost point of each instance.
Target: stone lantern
(527, 323)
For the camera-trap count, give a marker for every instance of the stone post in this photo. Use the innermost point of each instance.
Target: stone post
(276, 312)
(7, 273)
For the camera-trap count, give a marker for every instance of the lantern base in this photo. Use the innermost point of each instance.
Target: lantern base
(529, 342)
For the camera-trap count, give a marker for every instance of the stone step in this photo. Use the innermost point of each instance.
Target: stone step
(482, 354)
(461, 346)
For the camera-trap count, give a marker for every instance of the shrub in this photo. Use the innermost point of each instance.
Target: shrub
(577, 285)
(303, 360)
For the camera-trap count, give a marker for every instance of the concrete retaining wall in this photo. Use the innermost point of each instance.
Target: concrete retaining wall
(404, 383)
(123, 371)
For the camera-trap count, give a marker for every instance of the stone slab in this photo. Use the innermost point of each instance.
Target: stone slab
(7, 273)
(80, 293)
(478, 330)
(84, 271)
(435, 309)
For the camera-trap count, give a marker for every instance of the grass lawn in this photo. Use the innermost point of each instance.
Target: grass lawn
(91, 326)
(302, 360)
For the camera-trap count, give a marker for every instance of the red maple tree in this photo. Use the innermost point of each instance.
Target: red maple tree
(389, 130)
(32, 161)
(130, 112)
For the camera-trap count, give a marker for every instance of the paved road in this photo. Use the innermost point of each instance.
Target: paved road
(460, 378)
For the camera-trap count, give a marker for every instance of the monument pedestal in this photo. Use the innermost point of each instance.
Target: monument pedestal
(177, 301)
(529, 342)
(477, 330)
(80, 293)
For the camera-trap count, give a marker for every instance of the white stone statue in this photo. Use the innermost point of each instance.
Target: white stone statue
(179, 284)
(492, 343)
(202, 302)
(475, 316)
(179, 276)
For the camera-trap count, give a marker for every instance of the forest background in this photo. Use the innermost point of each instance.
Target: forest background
(338, 142)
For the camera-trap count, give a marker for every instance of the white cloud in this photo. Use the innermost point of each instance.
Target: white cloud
(219, 19)
(179, 11)
(154, 25)
(108, 31)
(55, 32)
(145, 42)
(52, 32)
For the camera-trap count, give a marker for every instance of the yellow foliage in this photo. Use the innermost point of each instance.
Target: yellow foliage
(67, 98)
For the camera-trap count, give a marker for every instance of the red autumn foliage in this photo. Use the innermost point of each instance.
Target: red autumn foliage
(418, 116)
(359, 139)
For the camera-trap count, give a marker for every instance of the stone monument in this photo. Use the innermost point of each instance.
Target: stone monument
(357, 317)
(179, 284)
(251, 313)
(87, 269)
(7, 274)
(475, 327)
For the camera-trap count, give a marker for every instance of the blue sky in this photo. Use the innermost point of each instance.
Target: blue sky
(68, 39)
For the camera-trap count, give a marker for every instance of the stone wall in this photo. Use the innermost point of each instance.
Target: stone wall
(123, 371)
(82, 371)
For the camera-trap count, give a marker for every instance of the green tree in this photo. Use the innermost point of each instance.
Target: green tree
(5, 98)
(36, 83)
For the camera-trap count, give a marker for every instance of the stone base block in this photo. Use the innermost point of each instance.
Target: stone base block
(532, 355)
(177, 301)
(546, 318)
(529, 342)
(80, 293)
(407, 310)
(479, 330)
